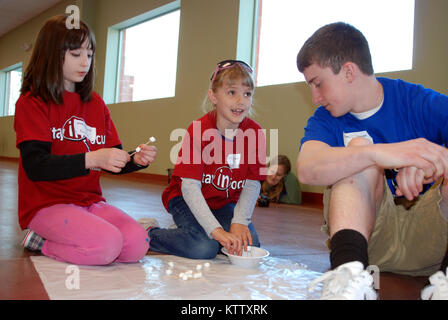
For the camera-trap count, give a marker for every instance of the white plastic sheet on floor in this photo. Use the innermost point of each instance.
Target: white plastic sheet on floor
(274, 279)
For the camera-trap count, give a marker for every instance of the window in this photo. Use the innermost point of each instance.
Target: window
(141, 61)
(10, 83)
(283, 27)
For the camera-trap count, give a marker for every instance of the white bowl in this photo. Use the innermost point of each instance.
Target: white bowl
(249, 259)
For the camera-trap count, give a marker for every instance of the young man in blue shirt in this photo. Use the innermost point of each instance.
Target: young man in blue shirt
(379, 145)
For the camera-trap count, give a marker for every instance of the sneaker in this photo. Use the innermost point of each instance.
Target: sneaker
(438, 289)
(32, 241)
(148, 223)
(347, 282)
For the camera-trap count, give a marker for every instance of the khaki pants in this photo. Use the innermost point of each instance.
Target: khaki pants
(406, 241)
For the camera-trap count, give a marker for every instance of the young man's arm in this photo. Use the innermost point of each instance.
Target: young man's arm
(320, 164)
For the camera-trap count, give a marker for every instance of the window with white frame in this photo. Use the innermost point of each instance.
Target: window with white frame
(10, 83)
(283, 27)
(144, 55)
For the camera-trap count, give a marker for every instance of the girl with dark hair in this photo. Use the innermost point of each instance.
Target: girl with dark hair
(66, 137)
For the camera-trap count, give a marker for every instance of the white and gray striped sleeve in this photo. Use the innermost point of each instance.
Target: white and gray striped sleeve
(246, 203)
(191, 191)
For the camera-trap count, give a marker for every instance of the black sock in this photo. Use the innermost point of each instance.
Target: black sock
(346, 246)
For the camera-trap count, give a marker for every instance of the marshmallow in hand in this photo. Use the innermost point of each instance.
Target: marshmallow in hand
(138, 149)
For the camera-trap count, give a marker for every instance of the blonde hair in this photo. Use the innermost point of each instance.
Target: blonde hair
(229, 75)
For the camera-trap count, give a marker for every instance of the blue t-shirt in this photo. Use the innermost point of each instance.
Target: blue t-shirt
(409, 111)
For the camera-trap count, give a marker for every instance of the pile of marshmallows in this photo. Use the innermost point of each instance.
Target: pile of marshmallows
(189, 274)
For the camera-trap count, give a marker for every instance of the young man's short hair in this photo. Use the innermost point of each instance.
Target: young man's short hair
(333, 45)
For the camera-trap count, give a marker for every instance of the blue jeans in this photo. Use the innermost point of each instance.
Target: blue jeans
(189, 240)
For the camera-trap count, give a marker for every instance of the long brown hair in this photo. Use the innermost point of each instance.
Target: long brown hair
(43, 76)
(274, 192)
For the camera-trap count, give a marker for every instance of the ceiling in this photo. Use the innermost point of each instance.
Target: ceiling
(13, 13)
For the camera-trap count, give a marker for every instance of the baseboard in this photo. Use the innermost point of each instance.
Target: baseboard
(308, 198)
(312, 199)
(12, 159)
(142, 176)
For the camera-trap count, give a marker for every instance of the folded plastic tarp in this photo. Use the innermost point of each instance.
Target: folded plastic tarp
(149, 279)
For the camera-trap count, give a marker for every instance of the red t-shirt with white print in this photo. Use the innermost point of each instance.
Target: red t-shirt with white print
(221, 165)
(72, 128)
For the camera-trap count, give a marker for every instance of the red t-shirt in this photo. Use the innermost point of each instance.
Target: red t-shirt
(72, 128)
(220, 164)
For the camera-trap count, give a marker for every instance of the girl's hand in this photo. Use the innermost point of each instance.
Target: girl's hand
(146, 155)
(243, 233)
(228, 240)
(111, 159)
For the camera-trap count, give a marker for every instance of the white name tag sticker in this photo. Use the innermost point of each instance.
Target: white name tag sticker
(360, 134)
(233, 160)
(83, 130)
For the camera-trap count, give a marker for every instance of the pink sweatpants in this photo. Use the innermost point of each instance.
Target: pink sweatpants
(95, 235)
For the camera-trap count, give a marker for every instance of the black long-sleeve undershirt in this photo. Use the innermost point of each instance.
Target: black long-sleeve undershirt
(40, 165)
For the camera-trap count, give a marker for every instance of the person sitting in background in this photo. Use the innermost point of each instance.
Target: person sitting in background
(281, 185)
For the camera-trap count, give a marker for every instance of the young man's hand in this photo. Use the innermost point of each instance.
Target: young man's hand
(419, 153)
(410, 182)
